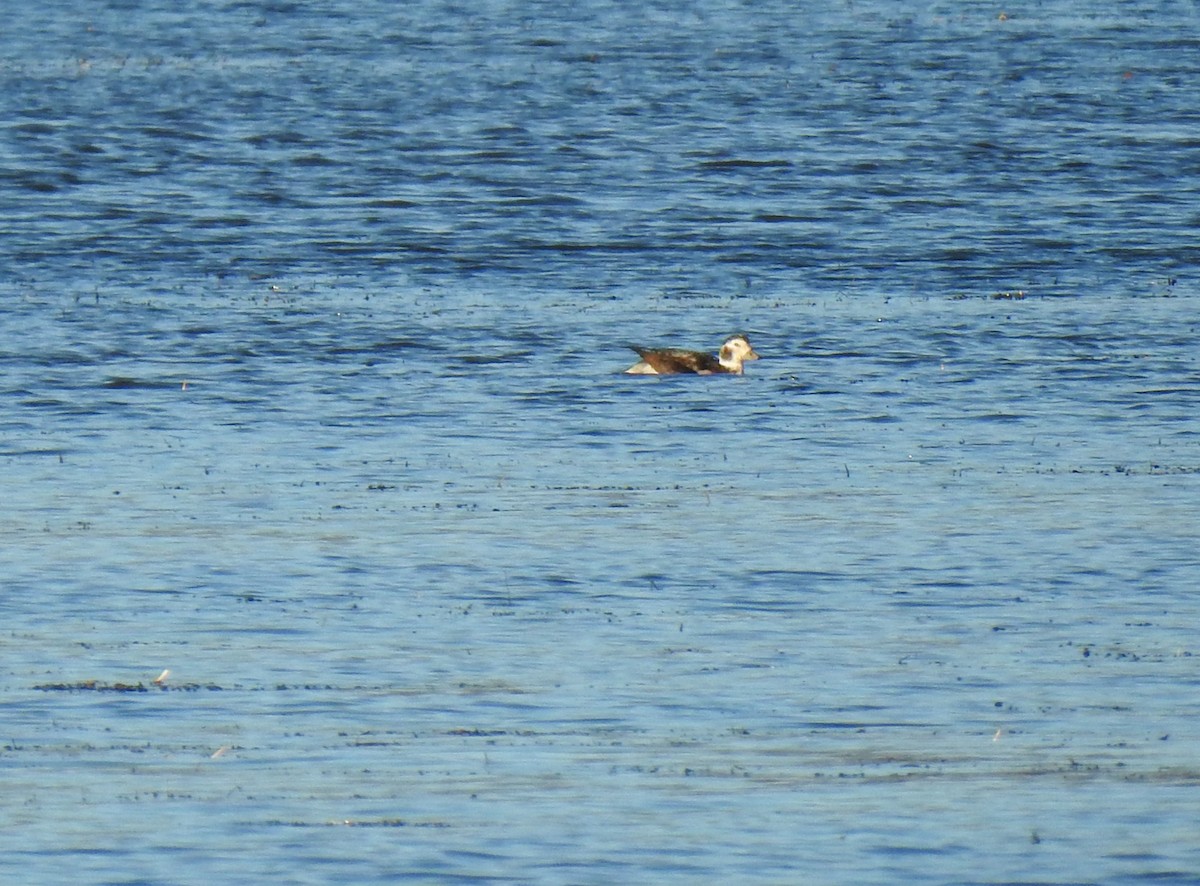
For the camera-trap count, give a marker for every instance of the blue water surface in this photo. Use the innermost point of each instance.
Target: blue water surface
(312, 323)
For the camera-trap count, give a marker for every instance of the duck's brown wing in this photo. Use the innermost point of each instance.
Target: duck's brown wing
(672, 361)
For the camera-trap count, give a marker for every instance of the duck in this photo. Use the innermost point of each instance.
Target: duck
(673, 361)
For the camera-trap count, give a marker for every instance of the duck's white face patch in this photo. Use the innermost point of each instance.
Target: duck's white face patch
(735, 350)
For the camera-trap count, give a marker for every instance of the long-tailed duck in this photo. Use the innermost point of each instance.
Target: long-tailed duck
(670, 361)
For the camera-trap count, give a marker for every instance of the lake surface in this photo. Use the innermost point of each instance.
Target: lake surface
(313, 323)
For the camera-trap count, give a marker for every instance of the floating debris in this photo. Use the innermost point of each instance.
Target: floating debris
(361, 823)
(92, 686)
(100, 686)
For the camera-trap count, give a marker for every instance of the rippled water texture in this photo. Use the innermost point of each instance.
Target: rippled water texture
(337, 547)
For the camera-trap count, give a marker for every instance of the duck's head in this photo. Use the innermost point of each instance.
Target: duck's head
(735, 351)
